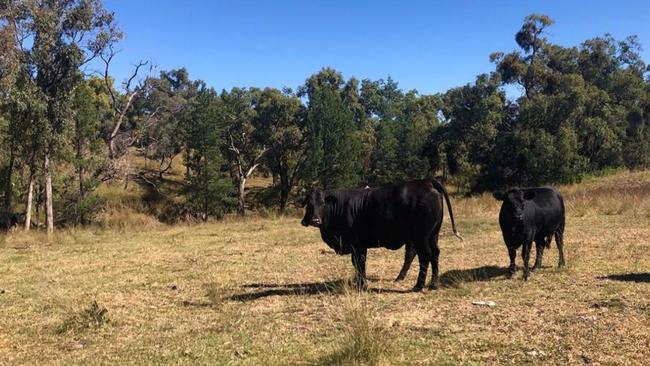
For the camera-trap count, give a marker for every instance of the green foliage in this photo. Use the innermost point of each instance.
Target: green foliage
(209, 188)
(334, 149)
(582, 109)
(280, 123)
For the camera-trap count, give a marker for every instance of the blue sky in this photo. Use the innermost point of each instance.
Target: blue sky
(430, 46)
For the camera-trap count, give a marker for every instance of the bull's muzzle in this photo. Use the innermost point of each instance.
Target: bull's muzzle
(314, 222)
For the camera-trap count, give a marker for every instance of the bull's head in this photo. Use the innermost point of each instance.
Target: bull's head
(514, 201)
(314, 203)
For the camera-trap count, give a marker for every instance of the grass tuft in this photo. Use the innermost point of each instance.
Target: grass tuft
(91, 317)
(363, 341)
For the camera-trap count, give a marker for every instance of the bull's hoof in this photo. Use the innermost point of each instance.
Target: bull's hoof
(526, 277)
(418, 288)
(434, 286)
(399, 278)
(562, 264)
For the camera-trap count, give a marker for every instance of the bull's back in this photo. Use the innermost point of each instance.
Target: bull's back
(401, 212)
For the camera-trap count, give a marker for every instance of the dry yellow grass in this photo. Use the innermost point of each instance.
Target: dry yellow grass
(268, 291)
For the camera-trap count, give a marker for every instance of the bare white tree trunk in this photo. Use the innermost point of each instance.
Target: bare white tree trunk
(30, 198)
(241, 207)
(49, 211)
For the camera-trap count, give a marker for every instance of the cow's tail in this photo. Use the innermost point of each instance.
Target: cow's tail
(438, 186)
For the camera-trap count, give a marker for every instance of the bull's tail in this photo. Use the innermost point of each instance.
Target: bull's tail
(438, 186)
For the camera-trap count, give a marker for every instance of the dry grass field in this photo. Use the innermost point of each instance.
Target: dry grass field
(266, 291)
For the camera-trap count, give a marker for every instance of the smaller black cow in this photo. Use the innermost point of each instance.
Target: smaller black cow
(531, 215)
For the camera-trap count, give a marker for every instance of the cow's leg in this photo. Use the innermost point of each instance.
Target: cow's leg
(512, 252)
(359, 263)
(435, 253)
(559, 240)
(409, 255)
(424, 258)
(539, 253)
(525, 255)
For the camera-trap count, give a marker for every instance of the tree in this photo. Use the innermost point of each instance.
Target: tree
(209, 189)
(280, 123)
(56, 39)
(90, 107)
(464, 142)
(334, 151)
(162, 110)
(132, 88)
(243, 150)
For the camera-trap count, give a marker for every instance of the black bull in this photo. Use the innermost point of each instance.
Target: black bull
(353, 220)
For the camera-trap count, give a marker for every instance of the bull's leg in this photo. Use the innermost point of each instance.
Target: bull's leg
(409, 255)
(424, 258)
(435, 253)
(539, 253)
(359, 263)
(525, 255)
(559, 240)
(512, 252)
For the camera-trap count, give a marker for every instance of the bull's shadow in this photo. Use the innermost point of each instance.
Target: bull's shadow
(628, 277)
(334, 287)
(290, 289)
(456, 277)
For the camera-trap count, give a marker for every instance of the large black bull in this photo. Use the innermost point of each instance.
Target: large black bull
(353, 220)
(531, 215)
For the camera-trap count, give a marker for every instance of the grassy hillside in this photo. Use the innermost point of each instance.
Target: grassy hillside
(268, 291)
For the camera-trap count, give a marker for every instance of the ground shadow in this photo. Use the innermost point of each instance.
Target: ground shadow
(627, 277)
(274, 289)
(334, 287)
(456, 277)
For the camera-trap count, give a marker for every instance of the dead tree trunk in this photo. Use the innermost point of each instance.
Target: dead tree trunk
(49, 211)
(243, 171)
(131, 92)
(30, 198)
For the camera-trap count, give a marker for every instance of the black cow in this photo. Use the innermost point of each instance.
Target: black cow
(531, 214)
(353, 220)
(8, 220)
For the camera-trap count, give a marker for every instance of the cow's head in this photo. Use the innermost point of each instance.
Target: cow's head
(514, 201)
(314, 203)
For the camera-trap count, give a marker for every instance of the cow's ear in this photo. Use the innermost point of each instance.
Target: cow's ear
(529, 195)
(498, 195)
(331, 200)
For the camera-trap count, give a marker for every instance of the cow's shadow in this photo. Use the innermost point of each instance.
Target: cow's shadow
(628, 277)
(456, 277)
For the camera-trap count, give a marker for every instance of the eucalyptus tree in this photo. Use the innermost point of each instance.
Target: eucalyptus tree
(245, 152)
(280, 123)
(162, 111)
(56, 39)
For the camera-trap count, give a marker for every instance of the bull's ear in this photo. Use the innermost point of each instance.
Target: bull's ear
(529, 195)
(331, 200)
(498, 195)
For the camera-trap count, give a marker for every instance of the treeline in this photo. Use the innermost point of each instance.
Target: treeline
(64, 130)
